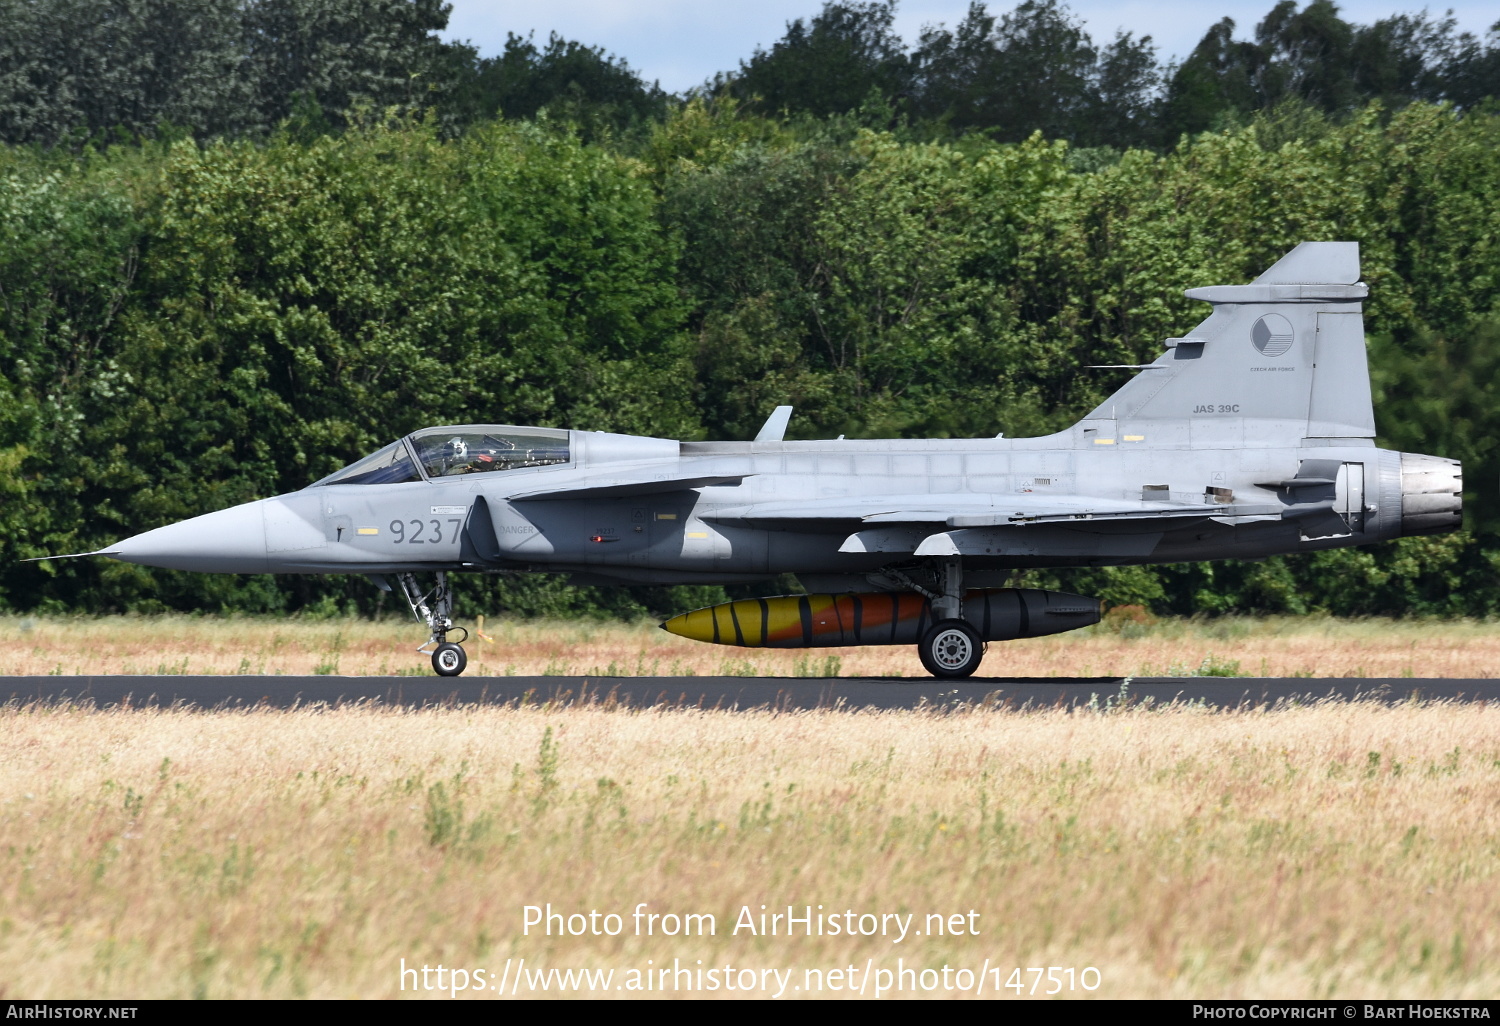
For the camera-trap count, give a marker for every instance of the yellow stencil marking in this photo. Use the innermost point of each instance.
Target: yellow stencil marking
(368, 530)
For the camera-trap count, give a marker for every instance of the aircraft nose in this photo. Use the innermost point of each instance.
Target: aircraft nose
(231, 541)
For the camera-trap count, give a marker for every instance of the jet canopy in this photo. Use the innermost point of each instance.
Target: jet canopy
(452, 451)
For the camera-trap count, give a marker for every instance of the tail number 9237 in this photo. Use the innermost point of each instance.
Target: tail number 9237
(425, 532)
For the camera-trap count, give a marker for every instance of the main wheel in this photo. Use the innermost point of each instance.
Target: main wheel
(449, 659)
(951, 648)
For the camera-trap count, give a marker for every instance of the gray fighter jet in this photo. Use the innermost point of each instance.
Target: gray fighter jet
(1253, 434)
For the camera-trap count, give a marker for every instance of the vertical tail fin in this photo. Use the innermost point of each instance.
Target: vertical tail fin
(1278, 361)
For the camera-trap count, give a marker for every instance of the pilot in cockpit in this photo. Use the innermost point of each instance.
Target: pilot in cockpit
(468, 461)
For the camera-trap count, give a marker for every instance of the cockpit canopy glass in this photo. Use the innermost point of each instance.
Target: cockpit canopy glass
(446, 452)
(450, 451)
(391, 465)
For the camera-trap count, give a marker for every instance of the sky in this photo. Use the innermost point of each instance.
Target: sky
(682, 43)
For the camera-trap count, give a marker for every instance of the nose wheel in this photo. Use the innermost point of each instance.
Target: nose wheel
(449, 659)
(435, 608)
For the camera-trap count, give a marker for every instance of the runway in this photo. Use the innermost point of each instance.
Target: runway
(786, 693)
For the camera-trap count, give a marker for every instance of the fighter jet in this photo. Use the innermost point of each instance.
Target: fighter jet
(1250, 435)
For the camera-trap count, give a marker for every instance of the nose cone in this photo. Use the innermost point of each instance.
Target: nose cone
(231, 541)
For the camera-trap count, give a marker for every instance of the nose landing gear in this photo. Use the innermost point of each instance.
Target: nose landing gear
(435, 608)
(449, 659)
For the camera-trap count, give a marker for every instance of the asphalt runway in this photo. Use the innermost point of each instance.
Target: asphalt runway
(789, 693)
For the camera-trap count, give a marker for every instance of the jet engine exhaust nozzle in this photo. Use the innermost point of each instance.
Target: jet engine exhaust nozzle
(1432, 494)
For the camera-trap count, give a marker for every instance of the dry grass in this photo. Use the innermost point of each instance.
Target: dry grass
(1341, 850)
(1268, 647)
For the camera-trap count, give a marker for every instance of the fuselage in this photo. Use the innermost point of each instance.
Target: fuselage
(628, 509)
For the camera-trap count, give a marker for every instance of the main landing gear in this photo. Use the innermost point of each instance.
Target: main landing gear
(950, 648)
(436, 609)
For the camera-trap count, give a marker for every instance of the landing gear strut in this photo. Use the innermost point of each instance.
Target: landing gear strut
(950, 648)
(435, 608)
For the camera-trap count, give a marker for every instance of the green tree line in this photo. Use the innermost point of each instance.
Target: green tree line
(76, 71)
(1036, 68)
(187, 323)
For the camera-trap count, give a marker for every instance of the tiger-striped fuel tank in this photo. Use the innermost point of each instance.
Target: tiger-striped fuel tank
(879, 618)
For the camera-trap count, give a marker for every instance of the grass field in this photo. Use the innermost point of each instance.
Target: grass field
(1338, 850)
(1127, 644)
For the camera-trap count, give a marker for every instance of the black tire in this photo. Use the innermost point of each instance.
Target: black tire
(951, 649)
(449, 659)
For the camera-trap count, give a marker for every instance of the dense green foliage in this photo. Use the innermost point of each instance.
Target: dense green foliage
(197, 319)
(1035, 68)
(73, 70)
